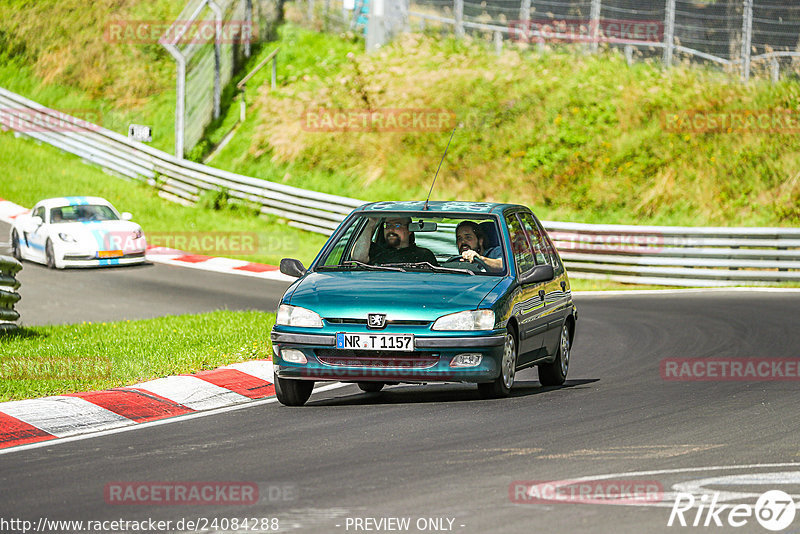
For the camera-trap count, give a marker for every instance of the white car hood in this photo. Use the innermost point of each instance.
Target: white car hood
(101, 235)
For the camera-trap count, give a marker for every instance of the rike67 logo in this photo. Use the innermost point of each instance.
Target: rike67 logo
(774, 510)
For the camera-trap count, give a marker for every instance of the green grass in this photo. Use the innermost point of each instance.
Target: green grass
(53, 360)
(33, 172)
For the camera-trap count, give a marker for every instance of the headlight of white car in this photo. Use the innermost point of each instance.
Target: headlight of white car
(297, 316)
(66, 237)
(466, 320)
(138, 234)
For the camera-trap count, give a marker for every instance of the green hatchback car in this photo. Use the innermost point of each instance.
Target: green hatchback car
(420, 292)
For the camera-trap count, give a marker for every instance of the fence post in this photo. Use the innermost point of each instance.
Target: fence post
(248, 17)
(594, 24)
(458, 9)
(629, 54)
(274, 72)
(669, 33)
(747, 37)
(310, 13)
(217, 56)
(525, 22)
(498, 43)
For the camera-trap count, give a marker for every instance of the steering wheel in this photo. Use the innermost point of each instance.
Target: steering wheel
(479, 262)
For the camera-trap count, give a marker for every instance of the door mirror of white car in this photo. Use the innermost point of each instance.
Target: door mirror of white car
(126, 216)
(36, 220)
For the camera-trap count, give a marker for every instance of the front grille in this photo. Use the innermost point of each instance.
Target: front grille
(380, 359)
(389, 322)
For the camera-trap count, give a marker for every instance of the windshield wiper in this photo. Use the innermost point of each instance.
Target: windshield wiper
(355, 263)
(435, 268)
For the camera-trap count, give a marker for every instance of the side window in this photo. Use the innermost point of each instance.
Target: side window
(39, 212)
(536, 237)
(337, 254)
(550, 250)
(519, 245)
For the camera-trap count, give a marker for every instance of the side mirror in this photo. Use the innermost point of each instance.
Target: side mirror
(540, 273)
(37, 220)
(126, 216)
(292, 267)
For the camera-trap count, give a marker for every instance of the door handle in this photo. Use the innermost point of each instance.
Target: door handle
(541, 294)
(563, 286)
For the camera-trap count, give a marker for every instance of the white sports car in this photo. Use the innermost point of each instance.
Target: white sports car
(77, 232)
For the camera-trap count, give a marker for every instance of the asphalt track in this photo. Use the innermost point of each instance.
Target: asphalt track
(439, 451)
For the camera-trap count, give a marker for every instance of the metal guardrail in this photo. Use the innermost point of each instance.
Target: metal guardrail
(9, 284)
(664, 255)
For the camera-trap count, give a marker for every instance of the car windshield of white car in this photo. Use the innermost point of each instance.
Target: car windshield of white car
(85, 213)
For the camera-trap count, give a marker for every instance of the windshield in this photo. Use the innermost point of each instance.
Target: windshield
(82, 213)
(418, 242)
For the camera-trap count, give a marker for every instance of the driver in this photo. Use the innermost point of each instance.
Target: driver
(400, 245)
(470, 240)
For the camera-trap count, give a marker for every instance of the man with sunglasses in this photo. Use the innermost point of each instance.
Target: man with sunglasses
(400, 246)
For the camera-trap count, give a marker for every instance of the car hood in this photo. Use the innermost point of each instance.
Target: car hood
(101, 235)
(413, 295)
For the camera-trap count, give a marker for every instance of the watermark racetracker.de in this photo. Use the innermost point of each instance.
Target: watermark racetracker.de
(781, 121)
(585, 491)
(729, 369)
(181, 32)
(377, 120)
(50, 120)
(586, 30)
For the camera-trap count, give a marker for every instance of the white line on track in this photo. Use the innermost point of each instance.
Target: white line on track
(178, 419)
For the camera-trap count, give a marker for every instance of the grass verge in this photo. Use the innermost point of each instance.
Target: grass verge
(53, 360)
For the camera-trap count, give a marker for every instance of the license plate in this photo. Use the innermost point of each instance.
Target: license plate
(403, 342)
(109, 254)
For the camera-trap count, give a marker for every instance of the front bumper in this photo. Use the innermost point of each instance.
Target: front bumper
(428, 362)
(83, 259)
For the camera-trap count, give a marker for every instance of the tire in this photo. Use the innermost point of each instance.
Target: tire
(554, 374)
(50, 255)
(501, 386)
(293, 392)
(371, 387)
(15, 249)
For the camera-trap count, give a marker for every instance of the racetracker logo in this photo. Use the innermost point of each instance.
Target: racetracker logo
(50, 120)
(631, 243)
(378, 120)
(774, 510)
(585, 491)
(585, 30)
(55, 368)
(730, 369)
(739, 121)
(181, 493)
(181, 32)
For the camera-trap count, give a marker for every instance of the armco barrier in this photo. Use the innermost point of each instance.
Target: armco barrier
(9, 284)
(665, 255)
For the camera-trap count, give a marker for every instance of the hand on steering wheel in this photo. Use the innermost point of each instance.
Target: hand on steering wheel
(475, 259)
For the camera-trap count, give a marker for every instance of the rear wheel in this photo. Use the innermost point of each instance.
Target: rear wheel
(371, 387)
(554, 374)
(50, 255)
(293, 392)
(15, 250)
(501, 386)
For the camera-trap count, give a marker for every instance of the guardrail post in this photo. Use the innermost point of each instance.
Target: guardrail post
(669, 33)
(747, 37)
(498, 43)
(9, 267)
(594, 24)
(629, 54)
(775, 70)
(458, 10)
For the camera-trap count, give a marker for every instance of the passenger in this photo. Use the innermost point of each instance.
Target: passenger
(470, 241)
(400, 244)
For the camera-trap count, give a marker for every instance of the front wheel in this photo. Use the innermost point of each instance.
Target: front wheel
(370, 387)
(554, 374)
(15, 247)
(501, 386)
(293, 392)
(50, 255)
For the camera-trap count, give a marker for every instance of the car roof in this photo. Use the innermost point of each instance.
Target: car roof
(446, 206)
(58, 202)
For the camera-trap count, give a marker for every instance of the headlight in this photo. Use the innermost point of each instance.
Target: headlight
(297, 316)
(66, 237)
(138, 234)
(466, 320)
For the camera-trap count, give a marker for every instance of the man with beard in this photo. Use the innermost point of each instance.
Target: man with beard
(470, 241)
(400, 246)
